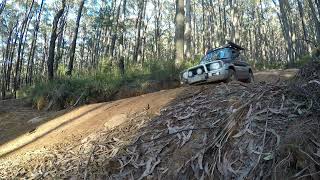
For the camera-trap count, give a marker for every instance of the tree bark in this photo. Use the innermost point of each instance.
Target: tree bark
(286, 29)
(122, 57)
(53, 41)
(315, 20)
(18, 62)
(2, 6)
(188, 29)
(115, 32)
(60, 43)
(138, 27)
(301, 13)
(74, 40)
(157, 29)
(179, 33)
(6, 65)
(29, 73)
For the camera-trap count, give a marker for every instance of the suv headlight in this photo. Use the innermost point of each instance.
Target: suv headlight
(190, 74)
(199, 71)
(185, 75)
(214, 66)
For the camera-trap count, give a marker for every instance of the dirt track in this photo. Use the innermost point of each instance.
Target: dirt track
(28, 131)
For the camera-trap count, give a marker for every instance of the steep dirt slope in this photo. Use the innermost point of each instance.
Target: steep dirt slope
(68, 130)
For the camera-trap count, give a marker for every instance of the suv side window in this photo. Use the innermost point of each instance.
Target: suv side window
(235, 53)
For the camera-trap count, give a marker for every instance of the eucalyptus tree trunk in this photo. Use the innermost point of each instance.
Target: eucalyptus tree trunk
(45, 55)
(301, 13)
(144, 26)
(6, 64)
(137, 47)
(115, 32)
(22, 32)
(53, 38)
(157, 28)
(203, 27)
(122, 56)
(29, 73)
(188, 29)
(318, 6)
(12, 51)
(315, 20)
(179, 34)
(304, 29)
(2, 5)
(286, 29)
(74, 40)
(60, 43)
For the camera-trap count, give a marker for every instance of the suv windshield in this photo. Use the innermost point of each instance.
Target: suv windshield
(216, 55)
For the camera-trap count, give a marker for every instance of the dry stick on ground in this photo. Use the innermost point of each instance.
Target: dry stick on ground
(76, 103)
(168, 135)
(88, 161)
(305, 153)
(263, 144)
(280, 163)
(312, 174)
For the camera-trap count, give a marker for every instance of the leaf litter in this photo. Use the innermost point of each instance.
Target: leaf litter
(221, 131)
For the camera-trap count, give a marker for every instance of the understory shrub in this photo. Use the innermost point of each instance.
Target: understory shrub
(81, 88)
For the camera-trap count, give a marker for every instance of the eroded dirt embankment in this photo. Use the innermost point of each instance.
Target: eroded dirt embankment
(118, 124)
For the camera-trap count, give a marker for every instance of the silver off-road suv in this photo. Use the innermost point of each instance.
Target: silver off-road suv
(220, 64)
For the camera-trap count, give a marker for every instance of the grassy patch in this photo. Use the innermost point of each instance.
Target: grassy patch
(101, 86)
(64, 92)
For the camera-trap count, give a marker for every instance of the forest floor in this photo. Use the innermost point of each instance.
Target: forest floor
(29, 139)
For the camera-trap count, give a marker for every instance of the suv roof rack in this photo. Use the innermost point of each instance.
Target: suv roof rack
(228, 45)
(233, 45)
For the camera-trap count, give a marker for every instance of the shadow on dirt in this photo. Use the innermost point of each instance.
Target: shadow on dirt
(34, 135)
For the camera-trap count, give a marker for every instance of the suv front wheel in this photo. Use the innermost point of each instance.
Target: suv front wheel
(231, 76)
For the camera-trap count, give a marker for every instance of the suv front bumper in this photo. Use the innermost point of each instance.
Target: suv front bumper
(210, 76)
(205, 73)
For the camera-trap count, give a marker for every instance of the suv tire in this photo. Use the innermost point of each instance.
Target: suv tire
(251, 78)
(231, 76)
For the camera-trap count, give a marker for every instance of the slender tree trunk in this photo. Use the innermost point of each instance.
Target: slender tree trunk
(6, 65)
(188, 29)
(122, 57)
(301, 13)
(315, 20)
(29, 73)
(204, 44)
(53, 38)
(318, 6)
(286, 29)
(45, 55)
(18, 63)
(60, 43)
(12, 51)
(157, 29)
(305, 34)
(179, 34)
(115, 33)
(2, 6)
(74, 40)
(137, 47)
